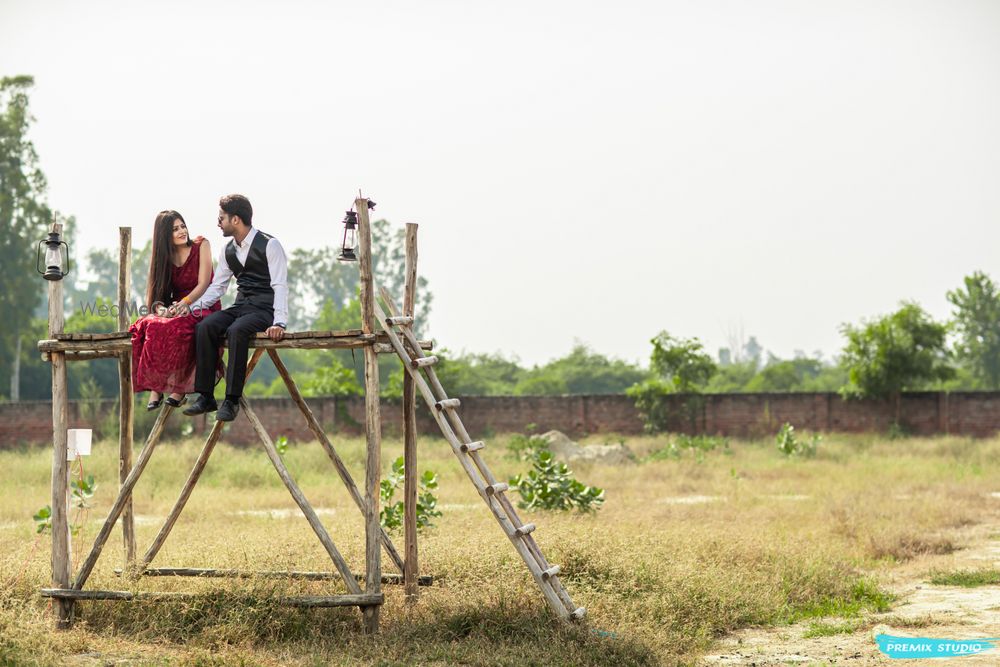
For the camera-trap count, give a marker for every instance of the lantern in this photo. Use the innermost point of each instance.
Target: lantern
(56, 256)
(347, 253)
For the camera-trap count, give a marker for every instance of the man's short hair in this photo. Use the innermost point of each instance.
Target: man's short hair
(238, 205)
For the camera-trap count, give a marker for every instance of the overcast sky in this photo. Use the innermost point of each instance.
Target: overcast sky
(579, 170)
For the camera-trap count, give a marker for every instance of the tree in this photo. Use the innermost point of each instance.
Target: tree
(24, 217)
(977, 323)
(893, 353)
(682, 363)
(582, 371)
(678, 366)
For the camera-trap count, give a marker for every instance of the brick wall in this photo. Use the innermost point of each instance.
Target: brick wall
(923, 413)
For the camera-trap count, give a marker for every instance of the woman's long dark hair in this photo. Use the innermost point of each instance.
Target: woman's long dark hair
(159, 288)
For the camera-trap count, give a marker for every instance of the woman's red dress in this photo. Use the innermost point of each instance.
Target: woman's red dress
(163, 357)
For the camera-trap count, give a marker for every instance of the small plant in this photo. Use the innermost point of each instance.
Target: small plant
(281, 445)
(83, 491)
(523, 447)
(790, 445)
(549, 485)
(43, 519)
(700, 445)
(391, 515)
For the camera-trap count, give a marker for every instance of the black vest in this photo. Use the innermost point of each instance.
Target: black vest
(253, 278)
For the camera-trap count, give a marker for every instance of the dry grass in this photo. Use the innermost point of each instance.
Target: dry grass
(767, 541)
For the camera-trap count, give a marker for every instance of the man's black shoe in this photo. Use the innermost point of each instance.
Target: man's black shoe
(227, 411)
(201, 406)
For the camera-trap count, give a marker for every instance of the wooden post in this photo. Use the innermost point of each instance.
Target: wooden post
(410, 566)
(61, 545)
(373, 425)
(125, 399)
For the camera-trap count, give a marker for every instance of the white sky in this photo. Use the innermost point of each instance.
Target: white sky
(579, 170)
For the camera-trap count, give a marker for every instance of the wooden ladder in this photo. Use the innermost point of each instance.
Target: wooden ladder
(493, 493)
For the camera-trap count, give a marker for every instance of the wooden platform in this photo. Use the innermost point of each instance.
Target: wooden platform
(346, 600)
(96, 345)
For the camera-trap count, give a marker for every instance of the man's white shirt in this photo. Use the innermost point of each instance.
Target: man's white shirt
(277, 266)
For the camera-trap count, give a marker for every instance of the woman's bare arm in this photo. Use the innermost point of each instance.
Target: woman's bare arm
(204, 272)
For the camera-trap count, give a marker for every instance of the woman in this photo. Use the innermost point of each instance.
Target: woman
(180, 270)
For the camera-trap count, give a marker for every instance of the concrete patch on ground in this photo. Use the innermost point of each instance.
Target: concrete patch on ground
(284, 512)
(688, 500)
(921, 610)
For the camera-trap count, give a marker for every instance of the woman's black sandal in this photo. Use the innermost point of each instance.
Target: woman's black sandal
(152, 405)
(176, 403)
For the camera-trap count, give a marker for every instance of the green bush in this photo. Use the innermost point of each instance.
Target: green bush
(523, 447)
(549, 485)
(391, 515)
(790, 445)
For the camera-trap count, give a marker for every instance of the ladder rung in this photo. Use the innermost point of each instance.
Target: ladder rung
(525, 529)
(579, 613)
(448, 403)
(494, 489)
(551, 572)
(420, 362)
(398, 321)
(473, 446)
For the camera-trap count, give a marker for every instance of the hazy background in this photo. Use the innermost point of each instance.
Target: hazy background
(592, 171)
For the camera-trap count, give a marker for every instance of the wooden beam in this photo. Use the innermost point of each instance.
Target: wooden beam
(111, 346)
(373, 424)
(331, 452)
(300, 499)
(62, 558)
(125, 394)
(410, 486)
(355, 600)
(214, 573)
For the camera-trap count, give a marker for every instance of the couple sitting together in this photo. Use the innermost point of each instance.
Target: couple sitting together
(177, 349)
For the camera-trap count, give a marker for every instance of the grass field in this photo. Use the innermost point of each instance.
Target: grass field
(684, 551)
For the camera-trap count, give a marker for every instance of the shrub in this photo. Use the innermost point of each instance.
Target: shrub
(549, 485)
(698, 444)
(391, 515)
(790, 445)
(523, 447)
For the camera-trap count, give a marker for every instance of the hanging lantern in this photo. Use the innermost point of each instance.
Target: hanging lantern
(347, 253)
(56, 257)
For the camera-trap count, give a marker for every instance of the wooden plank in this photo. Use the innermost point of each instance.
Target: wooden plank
(373, 423)
(113, 335)
(331, 452)
(214, 573)
(123, 496)
(125, 397)
(411, 566)
(300, 499)
(86, 355)
(120, 345)
(354, 600)
(192, 480)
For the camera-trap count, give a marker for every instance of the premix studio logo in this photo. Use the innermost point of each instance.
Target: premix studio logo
(926, 647)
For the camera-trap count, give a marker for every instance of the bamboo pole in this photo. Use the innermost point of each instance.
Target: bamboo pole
(373, 425)
(410, 564)
(306, 340)
(62, 558)
(215, 573)
(123, 496)
(324, 441)
(300, 499)
(354, 600)
(192, 480)
(125, 399)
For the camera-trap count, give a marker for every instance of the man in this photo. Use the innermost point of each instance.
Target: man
(258, 261)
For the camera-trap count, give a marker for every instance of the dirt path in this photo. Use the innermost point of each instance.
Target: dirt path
(921, 610)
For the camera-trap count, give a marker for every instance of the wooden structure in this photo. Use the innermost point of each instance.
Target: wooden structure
(396, 336)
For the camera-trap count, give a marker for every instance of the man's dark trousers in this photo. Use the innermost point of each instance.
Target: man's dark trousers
(236, 325)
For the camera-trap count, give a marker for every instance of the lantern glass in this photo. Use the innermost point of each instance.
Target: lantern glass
(53, 258)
